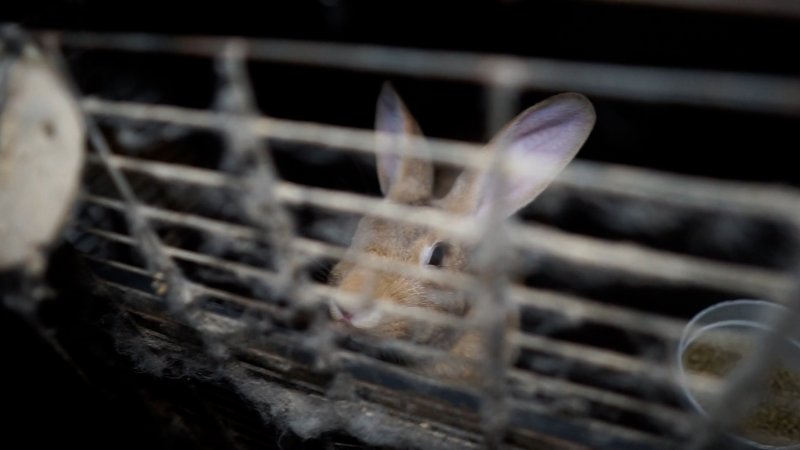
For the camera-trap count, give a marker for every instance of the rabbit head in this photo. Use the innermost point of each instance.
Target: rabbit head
(549, 133)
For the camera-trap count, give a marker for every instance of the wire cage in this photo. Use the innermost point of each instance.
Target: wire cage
(209, 234)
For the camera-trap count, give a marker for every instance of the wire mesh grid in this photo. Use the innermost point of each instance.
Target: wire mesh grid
(222, 265)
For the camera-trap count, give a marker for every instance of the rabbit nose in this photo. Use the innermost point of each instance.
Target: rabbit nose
(358, 318)
(346, 315)
(340, 313)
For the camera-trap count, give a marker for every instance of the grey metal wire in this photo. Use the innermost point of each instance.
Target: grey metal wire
(504, 78)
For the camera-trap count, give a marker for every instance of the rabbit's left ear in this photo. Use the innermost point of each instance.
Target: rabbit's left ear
(537, 144)
(402, 178)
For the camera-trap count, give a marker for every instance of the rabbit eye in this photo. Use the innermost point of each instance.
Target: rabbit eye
(434, 255)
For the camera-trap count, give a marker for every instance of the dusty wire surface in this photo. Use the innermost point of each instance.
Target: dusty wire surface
(218, 249)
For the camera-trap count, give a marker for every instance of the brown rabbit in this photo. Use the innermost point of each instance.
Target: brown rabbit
(553, 131)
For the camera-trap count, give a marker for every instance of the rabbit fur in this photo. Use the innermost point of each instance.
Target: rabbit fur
(540, 141)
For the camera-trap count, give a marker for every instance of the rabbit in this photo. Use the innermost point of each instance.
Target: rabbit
(554, 130)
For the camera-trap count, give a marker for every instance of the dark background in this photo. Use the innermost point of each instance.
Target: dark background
(689, 140)
(46, 403)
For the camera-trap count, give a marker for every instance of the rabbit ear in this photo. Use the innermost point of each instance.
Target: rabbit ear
(539, 143)
(402, 178)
